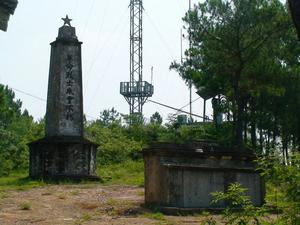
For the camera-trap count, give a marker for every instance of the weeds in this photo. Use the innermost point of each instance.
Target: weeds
(25, 206)
(61, 196)
(208, 219)
(19, 181)
(155, 216)
(128, 173)
(112, 202)
(75, 193)
(3, 195)
(84, 218)
(48, 192)
(240, 209)
(141, 193)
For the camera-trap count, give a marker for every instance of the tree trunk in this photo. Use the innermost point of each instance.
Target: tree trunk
(274, 133)
(261, 140)
(238, 123)
(284, 149)
(268, 142)
(253, 124)
(245, 132)
(295, 11)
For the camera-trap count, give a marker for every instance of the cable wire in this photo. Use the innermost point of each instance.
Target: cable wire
(164, 42)
(105, 43)
(88, 18)
(107, 65)
(38, 98)
(97, 48)
(170, 107)
(189, 103)
(28, 94)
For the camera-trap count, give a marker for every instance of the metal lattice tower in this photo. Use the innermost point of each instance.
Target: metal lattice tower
(137, 91)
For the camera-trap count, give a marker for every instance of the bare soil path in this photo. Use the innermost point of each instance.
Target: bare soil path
(82, 204)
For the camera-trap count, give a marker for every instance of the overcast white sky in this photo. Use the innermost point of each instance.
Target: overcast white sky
(103, 27)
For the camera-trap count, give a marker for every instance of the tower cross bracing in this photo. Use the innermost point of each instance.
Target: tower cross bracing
(136, 91)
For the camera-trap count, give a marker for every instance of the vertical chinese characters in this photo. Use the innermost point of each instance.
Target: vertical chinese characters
(69, 89)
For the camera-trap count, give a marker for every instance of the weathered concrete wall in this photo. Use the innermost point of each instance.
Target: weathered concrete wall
(255, 186)
(198, 186)
(152, 180)
(185, 178)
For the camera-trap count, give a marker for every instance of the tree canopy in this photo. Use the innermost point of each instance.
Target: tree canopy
(246, 51)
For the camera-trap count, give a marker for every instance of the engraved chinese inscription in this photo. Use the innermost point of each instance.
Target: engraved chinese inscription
(69, 106)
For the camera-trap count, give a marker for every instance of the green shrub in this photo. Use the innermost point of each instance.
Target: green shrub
(25, 206)
(283, 180)
(240, 210)
(285, 183)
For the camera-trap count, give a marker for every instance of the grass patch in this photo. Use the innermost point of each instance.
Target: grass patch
(155, 216)
(112, 202)
(273, 194)
(18, 180)
(25, 206)
(48, 192)
(84, 218)
(62, 196)
(75, 193)
(141, 193)
(118, 207)
(128, 173)
(3, 195)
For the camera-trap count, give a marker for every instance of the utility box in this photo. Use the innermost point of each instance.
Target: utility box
(184, 176)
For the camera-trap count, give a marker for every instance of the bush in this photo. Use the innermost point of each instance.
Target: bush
(114, 145)
(286, 180)
(240, 210)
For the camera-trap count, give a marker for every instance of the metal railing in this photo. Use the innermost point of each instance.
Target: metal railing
(136, 89)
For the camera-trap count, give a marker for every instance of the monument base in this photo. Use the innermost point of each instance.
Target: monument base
(63, 158)
(184, 176)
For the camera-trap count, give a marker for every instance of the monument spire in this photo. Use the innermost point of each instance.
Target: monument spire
(64, 152)
(64, 116)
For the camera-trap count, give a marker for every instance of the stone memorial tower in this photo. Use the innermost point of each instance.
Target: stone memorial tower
(7, 8)
(64, 153)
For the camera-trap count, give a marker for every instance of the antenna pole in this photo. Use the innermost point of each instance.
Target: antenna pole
(136, 91)
(204, 110)
(181, 47)
(152, 75)
(190, 81)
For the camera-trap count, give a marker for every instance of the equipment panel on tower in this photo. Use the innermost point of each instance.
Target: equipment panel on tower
(136, 89)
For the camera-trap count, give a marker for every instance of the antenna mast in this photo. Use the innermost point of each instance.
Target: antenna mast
(137, 91)
(190, 81)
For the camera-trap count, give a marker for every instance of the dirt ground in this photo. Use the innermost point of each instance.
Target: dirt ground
(82, 204)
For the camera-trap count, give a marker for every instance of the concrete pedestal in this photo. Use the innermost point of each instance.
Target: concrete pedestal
(63, 158)
(184, 176)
